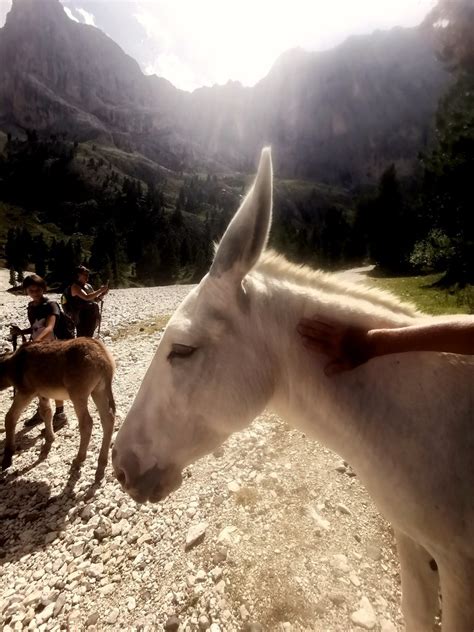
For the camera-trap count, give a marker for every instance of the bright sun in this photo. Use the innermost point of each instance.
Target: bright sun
(212, 41)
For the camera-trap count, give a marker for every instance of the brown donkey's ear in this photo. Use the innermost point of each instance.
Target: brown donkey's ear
(246, 236)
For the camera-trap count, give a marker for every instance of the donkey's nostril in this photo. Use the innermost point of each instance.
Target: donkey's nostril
(126, 466)
(120, 476)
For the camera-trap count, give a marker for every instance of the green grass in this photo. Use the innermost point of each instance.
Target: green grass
(429, 299)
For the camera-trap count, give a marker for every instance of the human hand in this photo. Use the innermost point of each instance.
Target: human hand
(15, 330)
(347, 347)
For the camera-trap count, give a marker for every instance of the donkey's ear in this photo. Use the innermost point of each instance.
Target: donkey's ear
(247, 234)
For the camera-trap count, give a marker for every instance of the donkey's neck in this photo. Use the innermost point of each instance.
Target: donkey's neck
(332, 410)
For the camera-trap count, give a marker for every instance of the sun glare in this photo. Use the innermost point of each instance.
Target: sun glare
(213, 41)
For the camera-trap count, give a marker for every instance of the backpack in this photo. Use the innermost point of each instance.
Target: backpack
(64, 329)
(66, 300)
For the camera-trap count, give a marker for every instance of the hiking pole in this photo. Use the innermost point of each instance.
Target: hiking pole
(15, 345)
(100, 317)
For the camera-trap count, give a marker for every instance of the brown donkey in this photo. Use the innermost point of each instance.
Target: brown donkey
(61, 369)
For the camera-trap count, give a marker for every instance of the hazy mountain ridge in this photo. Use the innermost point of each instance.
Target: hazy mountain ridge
(337, 116)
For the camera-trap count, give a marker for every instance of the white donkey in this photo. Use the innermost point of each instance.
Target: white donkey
(406, 422)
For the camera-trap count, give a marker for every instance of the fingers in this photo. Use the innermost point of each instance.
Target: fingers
(316, 344)
(320, 336)
(313, 324)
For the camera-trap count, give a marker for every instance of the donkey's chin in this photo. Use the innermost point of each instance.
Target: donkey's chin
(155, 485)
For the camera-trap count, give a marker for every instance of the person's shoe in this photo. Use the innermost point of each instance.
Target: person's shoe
(34, 421)
(59, 420)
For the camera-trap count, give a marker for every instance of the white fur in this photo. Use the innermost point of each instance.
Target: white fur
(405, 422)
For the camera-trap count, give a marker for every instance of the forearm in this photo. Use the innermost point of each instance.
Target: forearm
(46, 333)
(453, 337)
(93, 296)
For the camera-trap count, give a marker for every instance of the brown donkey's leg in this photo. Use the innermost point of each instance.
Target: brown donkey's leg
(85, 428)
(19, 404)
(47, 415)
(107, 418)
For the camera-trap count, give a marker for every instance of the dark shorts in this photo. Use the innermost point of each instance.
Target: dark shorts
(87, 321)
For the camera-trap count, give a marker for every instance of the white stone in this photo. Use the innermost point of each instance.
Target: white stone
(365, 616)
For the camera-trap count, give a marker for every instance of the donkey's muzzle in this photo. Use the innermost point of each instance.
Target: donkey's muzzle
(153, 485)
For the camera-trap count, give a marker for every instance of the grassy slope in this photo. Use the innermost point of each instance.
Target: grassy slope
(432, 300)
(16, 217)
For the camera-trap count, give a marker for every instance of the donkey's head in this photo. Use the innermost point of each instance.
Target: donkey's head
(5, 369)
(212, 373)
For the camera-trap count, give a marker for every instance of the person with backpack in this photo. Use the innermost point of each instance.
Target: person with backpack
(46, 323)
(80, 303)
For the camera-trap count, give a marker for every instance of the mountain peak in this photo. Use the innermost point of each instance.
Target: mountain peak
(24, 11)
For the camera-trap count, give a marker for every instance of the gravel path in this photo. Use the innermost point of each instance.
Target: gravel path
(287, 538)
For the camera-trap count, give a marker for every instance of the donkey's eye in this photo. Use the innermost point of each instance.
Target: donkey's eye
(180, 351)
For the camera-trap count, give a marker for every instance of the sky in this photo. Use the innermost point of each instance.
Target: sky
(202, 42)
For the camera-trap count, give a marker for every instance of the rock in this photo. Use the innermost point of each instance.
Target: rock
(253, 627)
(77, 549)
(131, 603)
(113, 616)
(229, 536)
(365, 616)
(215, 627)
(340, 565)
(96, 570)
(58, 606)
(373, 551)
(172, 624)
(354, 579)
(220, 555)
(343, 509)
(337, 598)
(45, 614)
(195, 535)
(233, 487)
(32, 599)
(92, 619)
(108, 589)
(203, 622)
(220, 587)
(87, 513)
(321, 522)
(244, 613)
(216, 573)
(201, 576)
(387, 626)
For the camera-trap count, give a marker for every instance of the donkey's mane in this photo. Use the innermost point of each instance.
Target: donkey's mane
(274, 265)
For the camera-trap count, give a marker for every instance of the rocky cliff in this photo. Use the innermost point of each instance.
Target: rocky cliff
(339, 116)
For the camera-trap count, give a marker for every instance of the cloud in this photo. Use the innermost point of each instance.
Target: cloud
(176, 70)
(5, 6)
(88, 18)
(70, 14)
(194, 43)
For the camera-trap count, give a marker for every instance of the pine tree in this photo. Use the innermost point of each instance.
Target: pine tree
(12, 279)
(446, 198)
(40, 253)
(389, 231)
